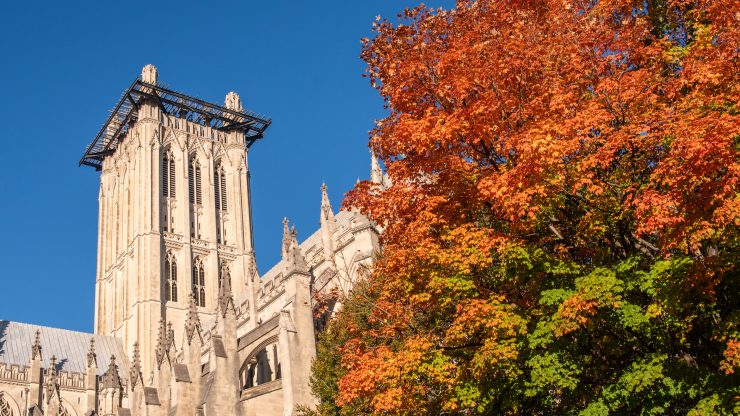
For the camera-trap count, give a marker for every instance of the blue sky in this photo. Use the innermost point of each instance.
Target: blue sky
(64, 65)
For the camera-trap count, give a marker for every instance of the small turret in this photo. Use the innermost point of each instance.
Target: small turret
(34, 375)
(91, 378)
(110, 390)
(376, 173)
(149, 74)
(233, 102)
(328, 225)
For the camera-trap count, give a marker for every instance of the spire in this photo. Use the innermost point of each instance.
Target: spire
(161, 350)
(296, 261)
(51, 379)
(135, 375)
(192, 323)
(225, 299)
(286, 238)
(376, 174)
(327, 214)
(111, 378)
(91, 357)
(36, 348)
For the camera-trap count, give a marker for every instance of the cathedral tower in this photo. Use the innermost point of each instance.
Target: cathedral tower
(174, 209)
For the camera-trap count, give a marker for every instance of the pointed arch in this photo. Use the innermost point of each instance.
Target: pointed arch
(7, 405)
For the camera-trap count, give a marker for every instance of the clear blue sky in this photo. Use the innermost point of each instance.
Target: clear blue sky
(64, 65)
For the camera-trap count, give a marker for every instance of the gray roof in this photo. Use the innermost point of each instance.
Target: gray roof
(69, 347)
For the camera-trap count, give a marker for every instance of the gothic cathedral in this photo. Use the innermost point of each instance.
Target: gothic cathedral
(184, 322)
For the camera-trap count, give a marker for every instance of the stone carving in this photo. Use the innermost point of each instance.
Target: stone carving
(135, 375)
(36, 348)
(91, 361)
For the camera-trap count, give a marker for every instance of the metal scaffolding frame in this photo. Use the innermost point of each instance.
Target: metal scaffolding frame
(173, 103)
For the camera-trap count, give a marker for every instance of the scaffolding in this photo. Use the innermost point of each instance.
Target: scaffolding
(171, 103)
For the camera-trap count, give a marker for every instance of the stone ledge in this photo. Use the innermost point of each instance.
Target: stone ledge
(264, 388)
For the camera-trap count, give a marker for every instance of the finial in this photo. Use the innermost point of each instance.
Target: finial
(149, 74)
(192, 323)
(170, 335)
(376, 173)
(225, 299)
(36, 348)
(327, 214)
(50, 379)
(161, 349)
(296, 261)
(286, 238)
(233, 102)
(135, 370)
(110, 378)
(91, 361)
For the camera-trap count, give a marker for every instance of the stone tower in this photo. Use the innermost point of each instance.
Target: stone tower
(174, 210)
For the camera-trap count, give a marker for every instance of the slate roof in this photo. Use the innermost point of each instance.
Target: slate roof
(70, 348)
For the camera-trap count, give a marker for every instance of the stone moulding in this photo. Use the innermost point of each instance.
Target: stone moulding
(262, 389)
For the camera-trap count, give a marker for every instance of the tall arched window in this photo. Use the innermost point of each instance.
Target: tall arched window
(219, 185)
(199, 282)
(170, 277)
(5, 409)
(168, 175)
(196, 196)
(168, 190)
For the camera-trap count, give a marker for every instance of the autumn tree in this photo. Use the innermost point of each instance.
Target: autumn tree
(561, 235)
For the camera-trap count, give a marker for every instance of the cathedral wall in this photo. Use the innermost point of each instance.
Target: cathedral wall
(269, 403)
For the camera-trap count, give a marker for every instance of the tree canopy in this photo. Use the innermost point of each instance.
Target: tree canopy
(561, 233)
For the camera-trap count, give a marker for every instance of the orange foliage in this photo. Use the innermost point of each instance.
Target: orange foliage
(585, 128)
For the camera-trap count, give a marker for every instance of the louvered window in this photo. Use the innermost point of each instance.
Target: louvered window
(196, 194)
(168, 175)
(219, 184)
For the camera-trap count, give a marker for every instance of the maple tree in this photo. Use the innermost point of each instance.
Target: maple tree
(561, 235)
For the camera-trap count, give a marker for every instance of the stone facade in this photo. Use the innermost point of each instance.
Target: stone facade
(184, 322)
